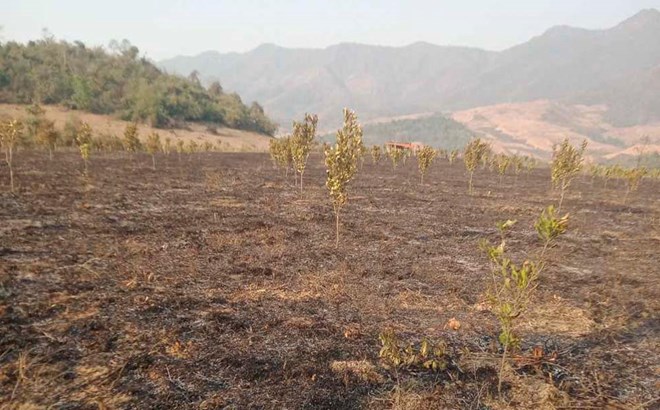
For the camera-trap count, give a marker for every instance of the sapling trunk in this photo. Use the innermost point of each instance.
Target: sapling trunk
(470, 183)
(337, 228)
(153, 162)
(9, 157)
(499, 378)
(341, 162)
(11, 177)
(561, 197)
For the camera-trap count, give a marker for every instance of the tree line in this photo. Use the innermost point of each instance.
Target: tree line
(117, 81)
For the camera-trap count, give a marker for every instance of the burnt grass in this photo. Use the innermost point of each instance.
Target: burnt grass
(213, 283)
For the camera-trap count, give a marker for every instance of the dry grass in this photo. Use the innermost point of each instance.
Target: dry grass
(533, 127)
(232, 140)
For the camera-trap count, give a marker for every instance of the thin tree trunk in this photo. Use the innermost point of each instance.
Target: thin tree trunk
(10, 159)
(153, 162)
(499, 379)
(11, 177)
(470, 183)
(561, 198)
(337, 228)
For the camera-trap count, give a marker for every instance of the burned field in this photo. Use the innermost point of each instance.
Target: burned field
(213, 283)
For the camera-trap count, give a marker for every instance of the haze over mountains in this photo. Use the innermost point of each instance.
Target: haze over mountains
(617, 69)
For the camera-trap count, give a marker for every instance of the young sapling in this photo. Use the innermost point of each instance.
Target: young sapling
(341, 161)
(566, 165)
(10, 133)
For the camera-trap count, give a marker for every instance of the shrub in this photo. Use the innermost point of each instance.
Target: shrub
(633, 178)
(153, 147)
(512, 285)
(47, 136)
(376, 153)
(566, 164)
(180, 148)
(430, 355)
(395, 155)
(131, 141)
(502, 162)
(518, 164)
(301, 143)
(107, 142)
(84, 142)
(68, 135)
(452, 156)
(192, 147)
(474, 151)
(341, 162)
(10, 133)
(280, 152)
(425, 157)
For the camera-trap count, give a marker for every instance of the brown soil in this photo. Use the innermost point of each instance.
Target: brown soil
(212, 283)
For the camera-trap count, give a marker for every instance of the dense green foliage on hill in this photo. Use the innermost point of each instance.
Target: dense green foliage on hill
(436, 130)
(117, 82)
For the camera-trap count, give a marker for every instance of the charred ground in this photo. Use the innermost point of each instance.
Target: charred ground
(212, 283)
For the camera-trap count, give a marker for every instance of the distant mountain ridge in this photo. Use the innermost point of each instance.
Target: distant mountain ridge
(618, 67)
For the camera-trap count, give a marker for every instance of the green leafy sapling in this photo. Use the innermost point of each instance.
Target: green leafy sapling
(513, 285)
(280, 152)
(302, 141)
(341, 161)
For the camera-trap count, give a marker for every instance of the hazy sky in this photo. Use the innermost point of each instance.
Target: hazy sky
(166, 28)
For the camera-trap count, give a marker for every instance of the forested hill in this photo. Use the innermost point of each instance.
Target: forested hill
(118, 82)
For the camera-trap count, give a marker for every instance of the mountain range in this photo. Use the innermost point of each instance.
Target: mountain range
(617, 69)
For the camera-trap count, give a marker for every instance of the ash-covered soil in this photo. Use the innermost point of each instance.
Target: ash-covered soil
(213, 283)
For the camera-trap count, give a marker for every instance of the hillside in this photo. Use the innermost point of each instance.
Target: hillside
(119, 83)
(231, 139)
(616, 67)
(532, 128)
(436, 130)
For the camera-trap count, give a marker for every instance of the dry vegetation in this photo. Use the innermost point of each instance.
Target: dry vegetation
(231, 139)
(211, 283)
(531, 128)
